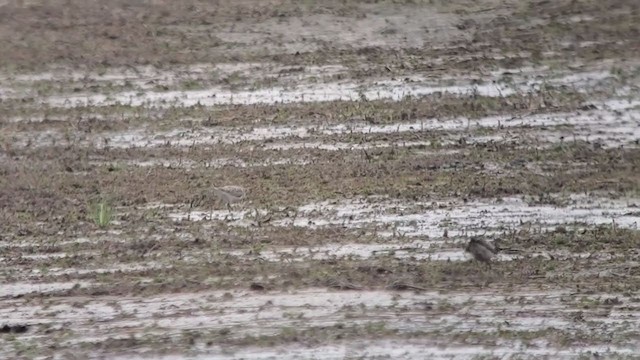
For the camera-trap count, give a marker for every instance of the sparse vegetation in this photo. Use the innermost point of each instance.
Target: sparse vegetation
(102, 213)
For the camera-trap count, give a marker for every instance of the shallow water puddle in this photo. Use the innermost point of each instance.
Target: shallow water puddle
(212, 163)
(430, 219)
(379, 89)
(149, 78)
(405, 349)
(19, 289)
(418, 250)
(615, 122)
(456, 215)
(396, 349)
(389, 218)
(249, 313)
(115, 268)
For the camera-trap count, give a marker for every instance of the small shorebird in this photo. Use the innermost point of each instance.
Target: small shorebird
(481, 249)
(230, 194)
(225, 194)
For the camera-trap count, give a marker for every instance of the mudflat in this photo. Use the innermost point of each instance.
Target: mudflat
(372, 139)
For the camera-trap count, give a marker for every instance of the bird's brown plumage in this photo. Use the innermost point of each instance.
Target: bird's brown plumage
(481, 249)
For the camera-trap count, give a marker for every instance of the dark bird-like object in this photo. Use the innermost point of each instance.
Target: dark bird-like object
(481, 249)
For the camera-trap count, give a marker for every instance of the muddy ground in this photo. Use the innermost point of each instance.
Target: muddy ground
(374, 138)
